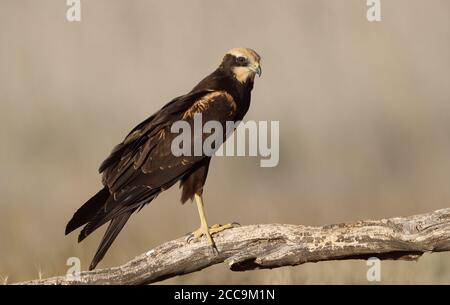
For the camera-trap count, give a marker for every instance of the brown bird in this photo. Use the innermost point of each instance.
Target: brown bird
(143, 165)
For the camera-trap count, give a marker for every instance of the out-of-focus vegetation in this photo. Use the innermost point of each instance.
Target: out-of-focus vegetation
(364, 111)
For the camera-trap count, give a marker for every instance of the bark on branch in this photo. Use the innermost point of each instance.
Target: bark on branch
(276, 245)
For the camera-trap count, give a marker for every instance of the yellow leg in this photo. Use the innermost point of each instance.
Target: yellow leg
(204, 229)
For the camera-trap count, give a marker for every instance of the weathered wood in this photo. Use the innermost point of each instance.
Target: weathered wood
(277, 245)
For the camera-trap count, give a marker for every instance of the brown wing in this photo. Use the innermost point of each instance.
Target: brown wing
(143, 164)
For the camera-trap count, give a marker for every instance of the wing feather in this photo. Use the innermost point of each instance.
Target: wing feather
(151, 163)
(143, 165)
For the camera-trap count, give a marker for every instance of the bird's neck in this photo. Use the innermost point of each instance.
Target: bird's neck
(221, 81)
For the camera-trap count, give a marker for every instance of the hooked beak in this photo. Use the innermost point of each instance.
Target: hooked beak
(257, 69)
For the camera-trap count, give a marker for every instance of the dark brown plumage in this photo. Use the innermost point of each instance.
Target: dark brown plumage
(142, 166)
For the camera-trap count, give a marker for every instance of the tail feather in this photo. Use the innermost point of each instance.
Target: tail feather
(103, 208)
(88, 210)
(112, 210)
(114, 228)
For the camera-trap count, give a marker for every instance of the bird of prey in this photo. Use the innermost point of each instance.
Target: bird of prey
(143, 166)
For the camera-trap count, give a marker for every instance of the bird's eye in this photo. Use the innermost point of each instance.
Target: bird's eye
(241, 60)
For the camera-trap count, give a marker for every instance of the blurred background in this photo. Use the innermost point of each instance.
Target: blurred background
(364, 111)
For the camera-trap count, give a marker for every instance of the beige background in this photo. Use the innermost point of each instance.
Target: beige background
(364, 111)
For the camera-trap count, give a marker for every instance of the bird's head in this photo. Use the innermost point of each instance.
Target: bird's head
(242, 64)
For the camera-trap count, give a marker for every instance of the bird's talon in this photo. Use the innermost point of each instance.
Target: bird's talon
(215, 251)
(194, 235)
(208, 232)
(219, 228)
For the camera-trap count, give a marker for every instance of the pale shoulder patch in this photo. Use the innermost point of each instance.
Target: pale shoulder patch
(203, 103)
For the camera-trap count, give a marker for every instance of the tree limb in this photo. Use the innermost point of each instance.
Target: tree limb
(276, 245)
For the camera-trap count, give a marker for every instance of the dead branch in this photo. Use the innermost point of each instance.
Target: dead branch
(276, 245)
